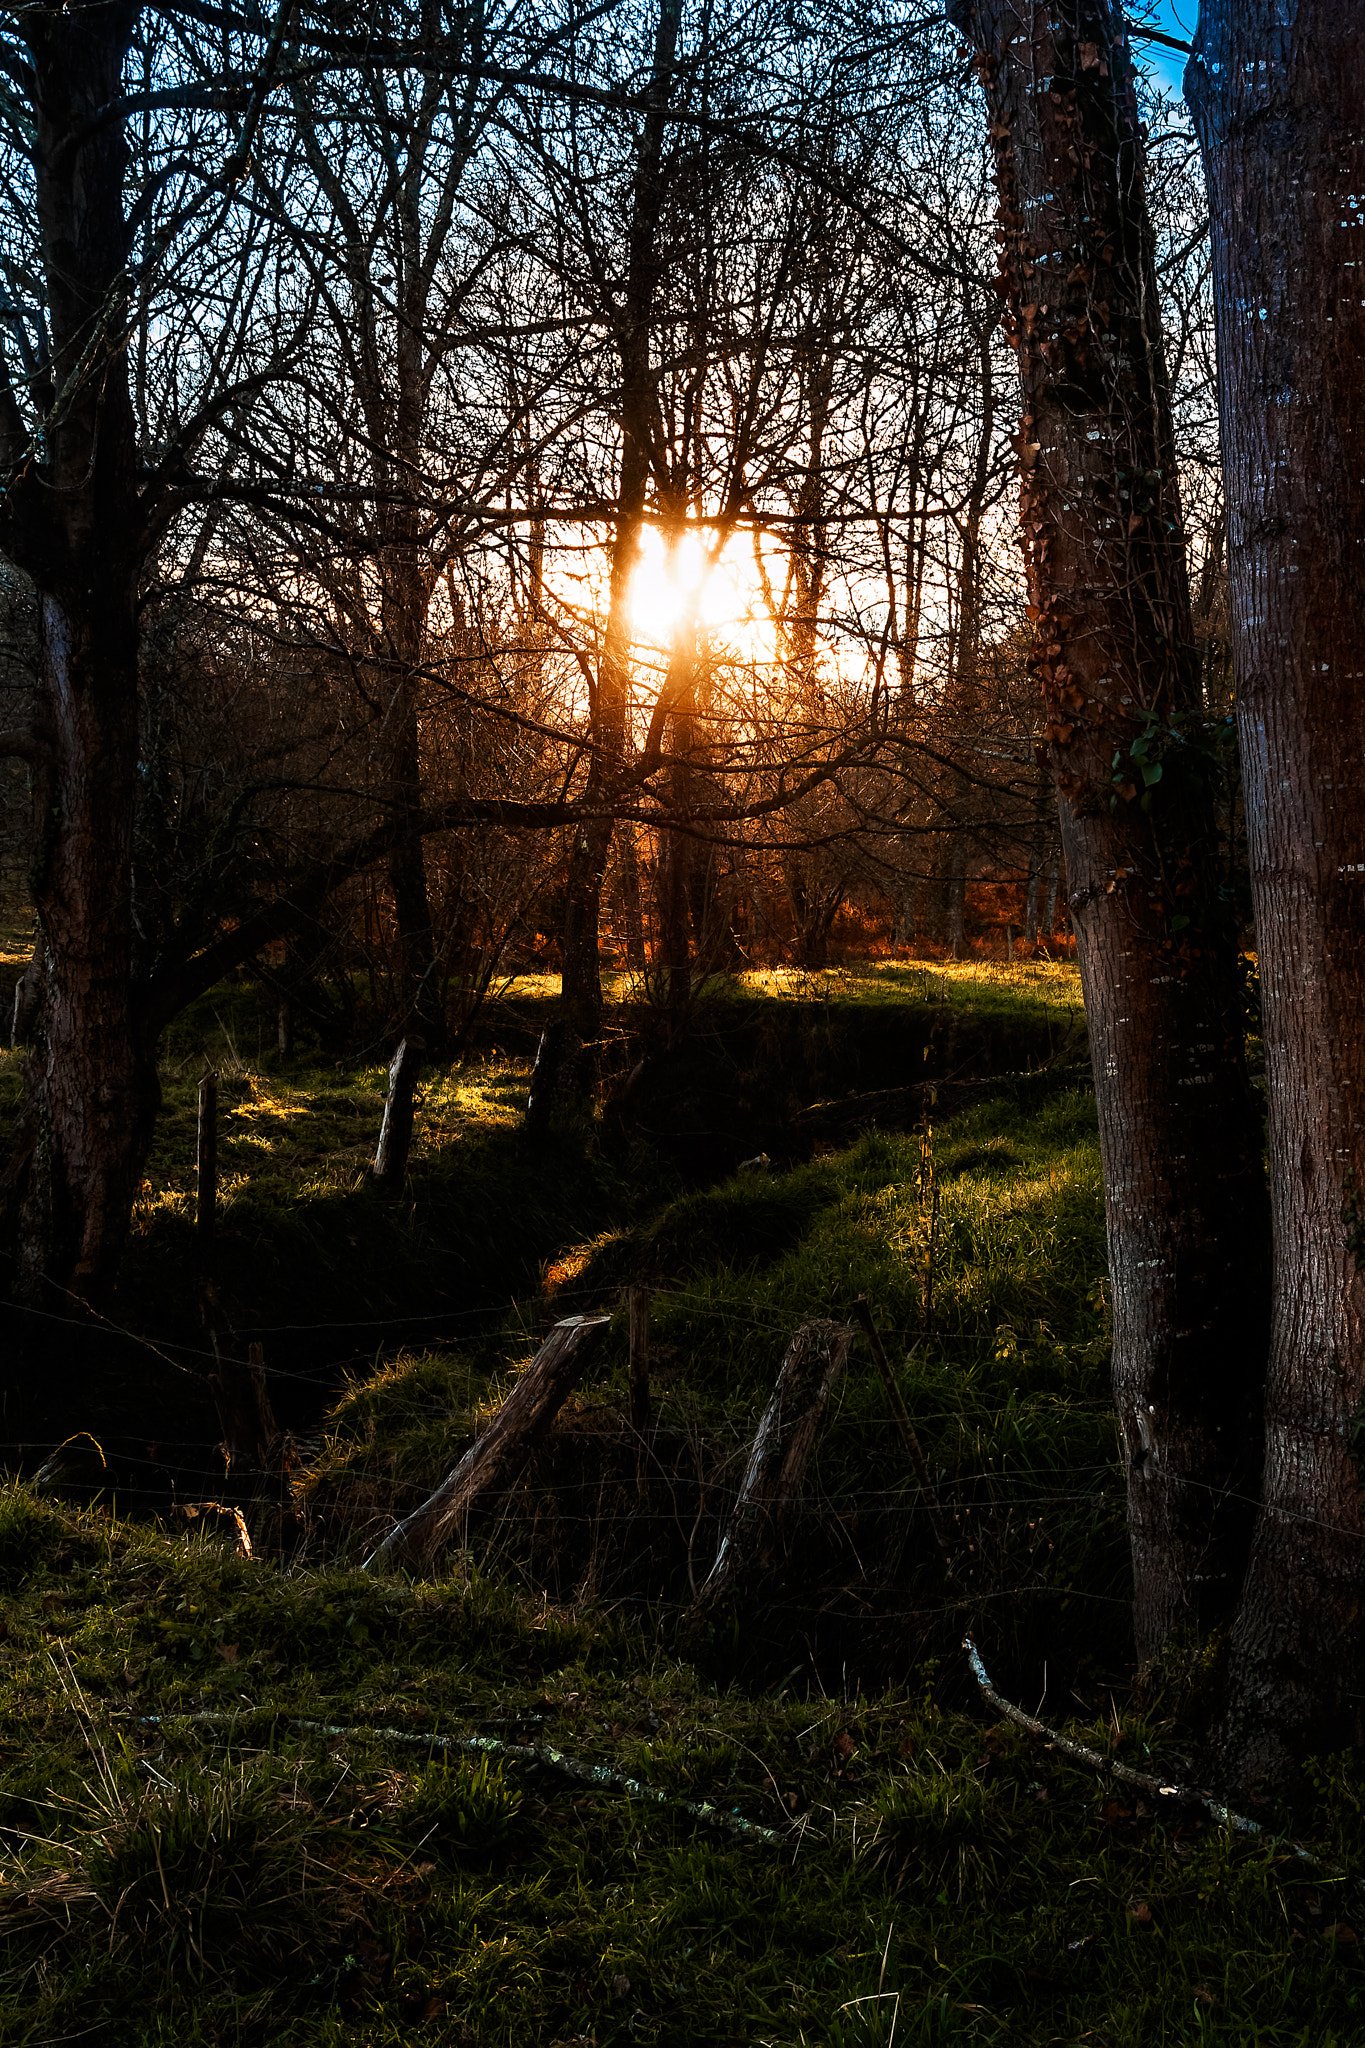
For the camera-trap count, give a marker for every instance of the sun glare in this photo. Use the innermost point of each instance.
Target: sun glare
(668, 582)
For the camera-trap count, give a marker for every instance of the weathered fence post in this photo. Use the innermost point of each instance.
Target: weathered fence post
(545, 1076)
(769, 1495)
(245, 1415)
(206, 1208)
(395, 1133)
(494, 1460)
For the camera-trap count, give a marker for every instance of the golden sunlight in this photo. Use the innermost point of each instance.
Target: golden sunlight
(668, 582)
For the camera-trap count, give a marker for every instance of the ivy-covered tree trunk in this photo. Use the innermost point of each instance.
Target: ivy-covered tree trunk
(1278, 98)
(72, 518)
(1099, 508)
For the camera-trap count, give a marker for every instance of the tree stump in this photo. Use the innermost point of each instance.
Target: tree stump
(491, 1464)
(769, 1497)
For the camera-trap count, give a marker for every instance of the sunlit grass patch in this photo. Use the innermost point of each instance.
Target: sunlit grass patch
(1026, 985)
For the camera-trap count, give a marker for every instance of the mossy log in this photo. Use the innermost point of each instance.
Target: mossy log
(770, 1495)
(490, 1464)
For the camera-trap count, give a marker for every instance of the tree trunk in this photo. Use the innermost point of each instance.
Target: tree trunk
(1184, 1192)
(678, 851)
(1277, 96)
(631, 911)
(966, 680)
(91, 1073)
(1054, 876)
(73, 520)
(1037, 848)
(610, 714)
(406, 596)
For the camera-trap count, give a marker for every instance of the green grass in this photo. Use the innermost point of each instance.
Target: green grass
(994, 1306)
(1036, 985)
(182, 1862)
(201, 1880)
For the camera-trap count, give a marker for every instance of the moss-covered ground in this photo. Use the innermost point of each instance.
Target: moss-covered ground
(184, 1860)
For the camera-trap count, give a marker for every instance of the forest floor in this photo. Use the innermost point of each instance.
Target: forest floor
(275, 1798)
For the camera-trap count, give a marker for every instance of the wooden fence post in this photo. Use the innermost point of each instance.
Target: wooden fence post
(206, 1210)
(545, 1076)
(245, 1414)
(770, 1493)
(494, 1460)
(395, 1133)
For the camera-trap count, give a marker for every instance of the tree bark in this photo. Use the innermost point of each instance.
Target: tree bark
(73, 520)
(1184, 1190)
(1277, 96)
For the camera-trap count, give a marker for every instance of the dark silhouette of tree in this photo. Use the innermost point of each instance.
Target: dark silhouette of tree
(1277, 96)
(1116, 661)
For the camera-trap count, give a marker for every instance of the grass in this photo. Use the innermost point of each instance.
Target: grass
(221, 1874)
(182, 1860)
(1035, 984)
(304, 1239)
(981, 1250)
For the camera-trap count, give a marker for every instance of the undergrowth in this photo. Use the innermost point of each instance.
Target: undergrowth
(980, 1247)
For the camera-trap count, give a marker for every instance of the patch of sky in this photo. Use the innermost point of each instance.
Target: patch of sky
(1170, 18)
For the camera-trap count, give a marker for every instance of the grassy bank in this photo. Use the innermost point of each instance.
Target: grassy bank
(259, 1800)
(223, 1874)
(980, 1247)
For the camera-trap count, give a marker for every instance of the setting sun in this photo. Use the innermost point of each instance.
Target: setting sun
(669, 581)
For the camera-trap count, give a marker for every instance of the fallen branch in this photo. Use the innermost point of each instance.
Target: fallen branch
(1108, 1766)
(521, 1752)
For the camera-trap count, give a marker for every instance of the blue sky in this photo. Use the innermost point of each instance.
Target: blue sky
(1173, 18)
